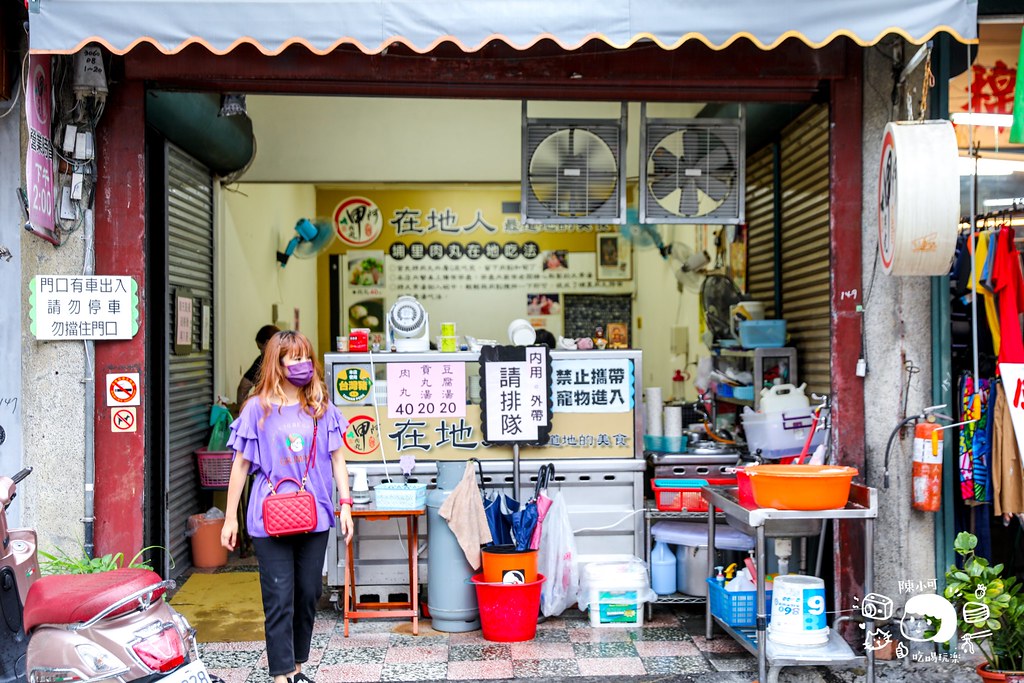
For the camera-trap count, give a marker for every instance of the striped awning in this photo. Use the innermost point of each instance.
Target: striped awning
(64, 26)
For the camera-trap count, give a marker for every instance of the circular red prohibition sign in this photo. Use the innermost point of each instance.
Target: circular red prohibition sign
(123, 389)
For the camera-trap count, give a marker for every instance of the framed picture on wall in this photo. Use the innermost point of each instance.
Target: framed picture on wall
(618, 336)
(614, 257)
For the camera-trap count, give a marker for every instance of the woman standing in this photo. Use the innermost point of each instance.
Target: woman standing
(287, 422)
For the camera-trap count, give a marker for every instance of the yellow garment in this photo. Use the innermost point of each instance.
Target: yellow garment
(464, 511)
(988, 298)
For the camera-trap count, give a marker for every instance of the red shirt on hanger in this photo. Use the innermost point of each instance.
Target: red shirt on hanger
(1009, 288)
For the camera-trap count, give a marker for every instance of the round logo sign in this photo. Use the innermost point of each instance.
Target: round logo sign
(887, 201)
(362, 436)
(353, 384)
(358, 221)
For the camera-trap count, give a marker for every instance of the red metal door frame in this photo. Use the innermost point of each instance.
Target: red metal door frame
(792, 72)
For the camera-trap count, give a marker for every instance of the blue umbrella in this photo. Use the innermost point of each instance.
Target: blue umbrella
(498, 508)
(525, 520)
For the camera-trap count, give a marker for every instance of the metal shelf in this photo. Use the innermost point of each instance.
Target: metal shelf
(862, 503)
(735, 401)
(654, 513)
(679, 599)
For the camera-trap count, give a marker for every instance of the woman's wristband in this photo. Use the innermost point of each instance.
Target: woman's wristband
(345, 501)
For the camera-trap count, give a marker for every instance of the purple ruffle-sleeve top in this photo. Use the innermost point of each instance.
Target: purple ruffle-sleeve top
(278, 449)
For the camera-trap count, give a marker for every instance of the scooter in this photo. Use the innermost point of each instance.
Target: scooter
(85, 628)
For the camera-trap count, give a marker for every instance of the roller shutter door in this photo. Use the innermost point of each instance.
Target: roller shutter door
(787, 208)
(189, 372)
(760, 211)
(804, 169)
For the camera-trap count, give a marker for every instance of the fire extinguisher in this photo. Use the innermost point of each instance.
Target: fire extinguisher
(927, 467)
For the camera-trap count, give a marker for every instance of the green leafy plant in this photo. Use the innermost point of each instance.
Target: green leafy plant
(60, 562)
(986, 601)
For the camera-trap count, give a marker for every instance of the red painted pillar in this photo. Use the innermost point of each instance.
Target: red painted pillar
(846, 171)
(120, 215)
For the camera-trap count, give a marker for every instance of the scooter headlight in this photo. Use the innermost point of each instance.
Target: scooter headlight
(99, 660)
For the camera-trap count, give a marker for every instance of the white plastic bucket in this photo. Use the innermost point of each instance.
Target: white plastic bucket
(798, 611)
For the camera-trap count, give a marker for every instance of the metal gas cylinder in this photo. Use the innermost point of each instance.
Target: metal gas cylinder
(451, 597)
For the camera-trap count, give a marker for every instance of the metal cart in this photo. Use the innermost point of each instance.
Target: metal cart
(766, 522)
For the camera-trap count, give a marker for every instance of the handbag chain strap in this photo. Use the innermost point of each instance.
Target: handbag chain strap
(309, 461)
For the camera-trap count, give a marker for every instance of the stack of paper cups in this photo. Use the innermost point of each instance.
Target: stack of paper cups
(654, 407)
(674, 429)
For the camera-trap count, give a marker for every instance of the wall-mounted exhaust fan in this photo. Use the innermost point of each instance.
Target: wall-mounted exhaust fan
(572, 170)
(692, 170)
(309, 240)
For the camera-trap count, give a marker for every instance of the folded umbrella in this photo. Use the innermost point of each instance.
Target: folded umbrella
(543, 502)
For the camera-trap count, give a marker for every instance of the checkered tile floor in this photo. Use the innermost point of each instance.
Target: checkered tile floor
(564, 647)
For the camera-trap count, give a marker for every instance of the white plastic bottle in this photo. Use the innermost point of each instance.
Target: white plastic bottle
(663, 569)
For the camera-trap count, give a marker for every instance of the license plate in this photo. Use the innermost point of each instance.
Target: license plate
(190, 673)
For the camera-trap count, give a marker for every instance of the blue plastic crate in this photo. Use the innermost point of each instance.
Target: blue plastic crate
(761, 334)
(736, 609)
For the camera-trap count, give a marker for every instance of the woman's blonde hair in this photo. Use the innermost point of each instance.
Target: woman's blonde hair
(289, 344)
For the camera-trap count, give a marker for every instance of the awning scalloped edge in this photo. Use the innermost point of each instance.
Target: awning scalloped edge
(371, 50)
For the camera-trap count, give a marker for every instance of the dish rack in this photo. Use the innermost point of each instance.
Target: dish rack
(676, 495)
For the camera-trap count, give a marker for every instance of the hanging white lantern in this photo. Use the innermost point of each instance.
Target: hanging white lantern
(918, 198)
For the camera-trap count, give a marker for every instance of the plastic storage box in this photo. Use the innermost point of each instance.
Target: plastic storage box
(400, 496)
(757, 334)
(736, 608)
(780, 435)
(676, 495)
(615, 592)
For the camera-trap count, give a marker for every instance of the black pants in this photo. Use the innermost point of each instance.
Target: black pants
(291, 580)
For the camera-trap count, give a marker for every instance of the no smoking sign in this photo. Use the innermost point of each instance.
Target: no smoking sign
(123, 389)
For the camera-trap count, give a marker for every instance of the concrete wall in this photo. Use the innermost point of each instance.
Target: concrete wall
(897, 323)
(252, 225)
(51, 405)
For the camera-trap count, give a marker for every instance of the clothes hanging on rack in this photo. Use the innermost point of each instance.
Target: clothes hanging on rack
(1008, 284)
(974, 444)
(1007, 477)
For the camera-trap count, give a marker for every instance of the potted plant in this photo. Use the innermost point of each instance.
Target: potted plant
(987, 601)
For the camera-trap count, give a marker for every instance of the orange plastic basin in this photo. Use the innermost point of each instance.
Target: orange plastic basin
(801, 487)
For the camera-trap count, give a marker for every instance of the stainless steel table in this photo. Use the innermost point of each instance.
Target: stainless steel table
(764, 522)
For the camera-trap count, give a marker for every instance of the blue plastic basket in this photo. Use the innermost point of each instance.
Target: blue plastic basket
(760, 334)
(400, 496)
(736, 608)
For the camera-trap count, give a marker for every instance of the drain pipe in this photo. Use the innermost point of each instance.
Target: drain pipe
(89, 382)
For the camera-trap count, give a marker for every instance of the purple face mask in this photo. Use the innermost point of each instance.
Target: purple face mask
(299, 374)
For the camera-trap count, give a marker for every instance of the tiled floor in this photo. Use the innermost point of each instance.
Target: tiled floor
(564, 647)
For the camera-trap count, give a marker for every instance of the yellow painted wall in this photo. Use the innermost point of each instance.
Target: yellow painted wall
(484, 315)
(254, 223)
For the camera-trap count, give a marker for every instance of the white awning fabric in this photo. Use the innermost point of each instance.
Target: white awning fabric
(64, 26)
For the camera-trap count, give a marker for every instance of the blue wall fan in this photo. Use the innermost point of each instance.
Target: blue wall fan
(310, 239)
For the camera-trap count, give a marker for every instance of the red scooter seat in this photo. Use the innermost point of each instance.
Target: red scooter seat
(71, 598)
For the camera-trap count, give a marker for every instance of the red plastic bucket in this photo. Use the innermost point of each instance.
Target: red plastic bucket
(508, 611)
(746, 490)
